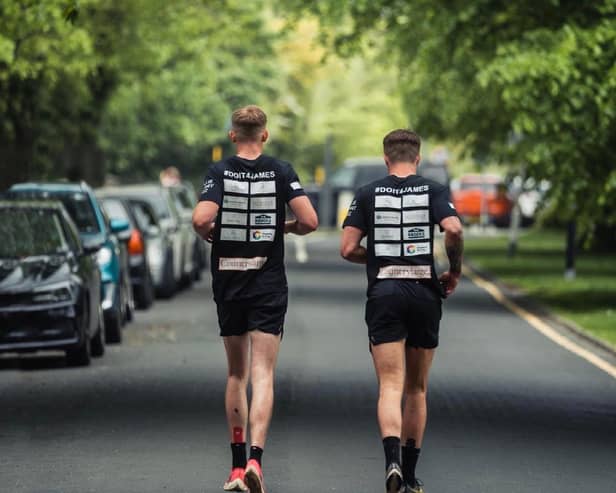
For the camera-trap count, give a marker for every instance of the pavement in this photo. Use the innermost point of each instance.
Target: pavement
(509, 410)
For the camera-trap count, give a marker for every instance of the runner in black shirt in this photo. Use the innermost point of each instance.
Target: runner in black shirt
(403, 311)
(242, 212)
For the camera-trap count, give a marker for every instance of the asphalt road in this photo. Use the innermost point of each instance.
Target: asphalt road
(510, 411)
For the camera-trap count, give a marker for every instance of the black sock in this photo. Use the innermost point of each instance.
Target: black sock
(391, 446)
(410, 455)
(239, 454)
(256, 453)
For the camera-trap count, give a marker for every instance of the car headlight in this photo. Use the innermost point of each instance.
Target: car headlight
(53, 295)
(103, 257)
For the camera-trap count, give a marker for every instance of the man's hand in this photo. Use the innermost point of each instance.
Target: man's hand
(449, 280)
(210, 236)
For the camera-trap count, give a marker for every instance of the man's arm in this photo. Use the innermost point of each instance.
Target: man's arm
(350, 249)
(454, 246)
(306, 220)
(203, 218)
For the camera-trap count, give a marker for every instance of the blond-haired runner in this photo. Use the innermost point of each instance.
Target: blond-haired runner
(403, 311)
(242, 211)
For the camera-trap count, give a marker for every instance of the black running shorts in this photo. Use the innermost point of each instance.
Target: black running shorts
(403, 309)
(265, 313)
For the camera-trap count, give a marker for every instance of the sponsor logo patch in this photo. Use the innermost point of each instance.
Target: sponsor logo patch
(386, 217)
(234, 218)
(411, 249)
(404, 272)
(263, 219)
(386, 250)
(416, 200)
(263, 203)
(232, 234)
(241, 264)
(232, 202)
(208, 185)
(236, 186)
(419, 216)
(262, 234)
(386, 234)
(452, 206)
(417, 233)
(296, 185)
(260, 187)
(387, 201)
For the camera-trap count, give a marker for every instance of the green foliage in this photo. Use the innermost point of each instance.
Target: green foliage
(526, 82)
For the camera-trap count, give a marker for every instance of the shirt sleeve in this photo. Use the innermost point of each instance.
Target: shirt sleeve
(293, 187)
(212, 189)
(442, 205)
(357, 215)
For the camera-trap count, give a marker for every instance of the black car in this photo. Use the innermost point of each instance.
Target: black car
(49, 283)
(139, 267)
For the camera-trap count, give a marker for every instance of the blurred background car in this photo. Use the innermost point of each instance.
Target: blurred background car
(178, 261)
(137, 245)
(186, 199)
(50, 295)
(93, 226)
(482, 198)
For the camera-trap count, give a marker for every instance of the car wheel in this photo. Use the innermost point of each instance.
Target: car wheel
(98, 341)
(144, 294)
(113, 326)
(80, 354)
(169, 285)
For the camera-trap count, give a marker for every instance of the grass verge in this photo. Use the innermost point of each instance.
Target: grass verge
(589, 299)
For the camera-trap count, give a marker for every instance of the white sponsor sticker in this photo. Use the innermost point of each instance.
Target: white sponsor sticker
(416, 200)
(263, 203)
(387, 201)
(405, 272)
(232, 202)
(452, 206)
(386, 217)
(262, 234)
(259, 187)
(386, 234)
(417, 233)
(263, 219)
(236, 186)
(234, 218)
(412, 249)
(413, 217)
(232, 234)
(296, 185)
(386, 250)
(231, 263)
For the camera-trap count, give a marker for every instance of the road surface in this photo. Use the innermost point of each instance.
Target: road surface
(510, 411)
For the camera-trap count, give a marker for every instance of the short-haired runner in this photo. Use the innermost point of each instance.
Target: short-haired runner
(241, 210)
(403, 310)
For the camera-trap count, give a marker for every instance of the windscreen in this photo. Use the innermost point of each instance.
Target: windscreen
(115, 209)
(30, 232)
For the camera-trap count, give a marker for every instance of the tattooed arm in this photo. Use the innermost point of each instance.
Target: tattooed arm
(454, 246)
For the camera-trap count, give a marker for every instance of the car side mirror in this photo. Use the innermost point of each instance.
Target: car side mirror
(93, 244)
(121, 228)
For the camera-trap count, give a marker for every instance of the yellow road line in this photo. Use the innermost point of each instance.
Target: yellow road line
(539, 324)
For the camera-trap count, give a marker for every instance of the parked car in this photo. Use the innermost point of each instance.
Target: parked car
(172, 227)
(137, 246)
(186, 199)
(475, 195)
(50, 296)
(435, 171)
(92, 224)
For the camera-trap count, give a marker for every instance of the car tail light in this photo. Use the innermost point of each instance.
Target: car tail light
(135, 243)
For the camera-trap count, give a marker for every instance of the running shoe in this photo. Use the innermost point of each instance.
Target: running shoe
(417, 487)
(236, 480)
(254, 477)
(393, 479)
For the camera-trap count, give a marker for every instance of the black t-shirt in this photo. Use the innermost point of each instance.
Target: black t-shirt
(248, 246)
(398, 216)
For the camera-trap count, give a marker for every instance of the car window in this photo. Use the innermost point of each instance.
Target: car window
(70, 235)
(157, 201)
(144, 215)
(343, 177)
(30, 232)
(184, 199)
(368, 174)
